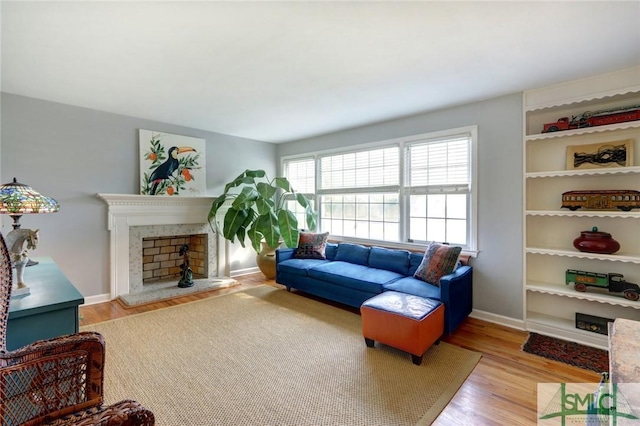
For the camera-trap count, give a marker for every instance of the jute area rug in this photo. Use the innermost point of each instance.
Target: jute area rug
(268, 357)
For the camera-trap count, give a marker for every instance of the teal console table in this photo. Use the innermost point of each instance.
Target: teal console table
(50, 310)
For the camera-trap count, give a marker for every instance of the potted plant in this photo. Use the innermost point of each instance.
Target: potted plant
(256, 207)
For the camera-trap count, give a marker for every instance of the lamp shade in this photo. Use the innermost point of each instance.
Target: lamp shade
(17, 199)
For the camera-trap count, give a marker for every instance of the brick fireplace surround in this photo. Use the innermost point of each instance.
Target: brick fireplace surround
(132, 218)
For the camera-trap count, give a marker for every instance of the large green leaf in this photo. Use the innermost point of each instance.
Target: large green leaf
(255, 237)
(243, 179)
(311, 215)
(233, 220)
(215, 206)
(312, 218)
(302, 200)
(255, 173)
(289, 231)
(266, 191)
(245, 198)
(242, 229)
(283, 183)
(267, 225)
(265, 206)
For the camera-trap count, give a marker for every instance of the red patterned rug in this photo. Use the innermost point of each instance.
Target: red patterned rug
(571, 353)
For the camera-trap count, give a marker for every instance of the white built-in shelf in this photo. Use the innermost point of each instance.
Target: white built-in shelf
(617, 257)
(550, 306)
(586, 213)
(586, 172)
(584, 131)
(628, 93)
(590, 295)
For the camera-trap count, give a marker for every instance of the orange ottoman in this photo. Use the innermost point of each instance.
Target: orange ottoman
(403, 321)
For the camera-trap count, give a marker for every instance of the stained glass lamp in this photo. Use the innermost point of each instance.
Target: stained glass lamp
(17, 199)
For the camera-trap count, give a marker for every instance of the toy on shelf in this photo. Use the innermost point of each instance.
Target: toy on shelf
(615, 283)
(592, 119)
(607, 199)
(595, 241)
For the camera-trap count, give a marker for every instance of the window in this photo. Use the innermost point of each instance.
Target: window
(358, 194)
(438, 184)
(301, 173)
(404, 191)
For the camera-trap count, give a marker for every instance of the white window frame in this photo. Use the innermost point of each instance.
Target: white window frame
(403, 191)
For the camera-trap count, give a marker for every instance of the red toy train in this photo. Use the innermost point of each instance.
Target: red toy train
(598, 118)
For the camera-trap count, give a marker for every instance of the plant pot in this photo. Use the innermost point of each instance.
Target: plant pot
(266, 260)
(596, 242)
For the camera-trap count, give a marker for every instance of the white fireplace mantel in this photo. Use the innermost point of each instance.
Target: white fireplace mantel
(126, 210)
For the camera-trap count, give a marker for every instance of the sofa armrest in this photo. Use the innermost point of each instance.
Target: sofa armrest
(456, 292)
(283, 254)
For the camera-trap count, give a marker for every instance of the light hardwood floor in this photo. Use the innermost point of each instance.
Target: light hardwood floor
(500, 391)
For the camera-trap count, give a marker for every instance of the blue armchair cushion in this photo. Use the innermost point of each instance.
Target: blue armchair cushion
(439, 260)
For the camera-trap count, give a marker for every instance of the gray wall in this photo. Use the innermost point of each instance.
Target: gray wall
(71, 154)
(498, 267)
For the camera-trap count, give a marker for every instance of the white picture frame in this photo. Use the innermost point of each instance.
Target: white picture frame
(172, 165)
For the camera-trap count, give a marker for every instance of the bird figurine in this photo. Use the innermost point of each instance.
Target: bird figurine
(165, 170)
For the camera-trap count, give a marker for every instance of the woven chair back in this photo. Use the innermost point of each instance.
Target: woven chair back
(6, 278)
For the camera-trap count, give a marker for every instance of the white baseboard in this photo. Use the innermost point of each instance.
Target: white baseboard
(99, 298)
(246, 271)
(498, 319)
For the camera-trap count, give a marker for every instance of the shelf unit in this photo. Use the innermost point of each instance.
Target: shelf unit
(549, 304)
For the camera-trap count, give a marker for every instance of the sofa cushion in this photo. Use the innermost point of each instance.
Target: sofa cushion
(439, 260)
(414, 286)
(354, 276)
(415, 259)
(352, 253)
(330, 251)
(299, 266)
(311, 245)
(389, 259)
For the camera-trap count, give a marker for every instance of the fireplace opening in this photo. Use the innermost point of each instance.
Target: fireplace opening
(161, 257)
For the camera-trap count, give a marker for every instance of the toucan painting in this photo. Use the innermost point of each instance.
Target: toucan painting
(166, 170)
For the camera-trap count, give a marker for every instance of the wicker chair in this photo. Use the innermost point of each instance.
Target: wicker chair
(56, 381)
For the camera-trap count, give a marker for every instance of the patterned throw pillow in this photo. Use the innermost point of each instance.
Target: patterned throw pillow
(439, 260)
(311, 246)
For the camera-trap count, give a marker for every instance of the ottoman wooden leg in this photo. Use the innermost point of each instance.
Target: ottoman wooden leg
(417, 360)
(369, 342)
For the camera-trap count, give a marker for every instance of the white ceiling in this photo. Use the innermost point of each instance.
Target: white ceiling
(281, 71)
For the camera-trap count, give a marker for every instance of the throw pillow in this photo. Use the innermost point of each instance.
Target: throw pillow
(311, 246)
(439, 260)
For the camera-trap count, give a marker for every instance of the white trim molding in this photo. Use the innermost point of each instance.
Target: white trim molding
(127, 210)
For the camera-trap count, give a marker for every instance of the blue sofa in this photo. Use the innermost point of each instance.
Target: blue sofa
(353, 273)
